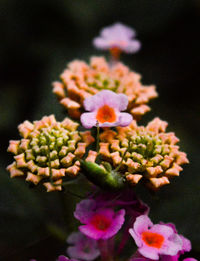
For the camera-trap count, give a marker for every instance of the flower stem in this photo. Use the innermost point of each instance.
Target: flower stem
(106, 252)
(125, 235)
(118, 167)
(98, 132)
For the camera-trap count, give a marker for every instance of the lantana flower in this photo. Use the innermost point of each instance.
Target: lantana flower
(152, 153)
(155, 240)
(83, 248)
(99, 223)
(48, 150)
(105, 109)
(117, 38)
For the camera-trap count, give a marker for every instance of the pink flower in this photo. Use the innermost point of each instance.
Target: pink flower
(99, 223)
(84, 247)
(117, 37)
(105, 108)
(155, 240)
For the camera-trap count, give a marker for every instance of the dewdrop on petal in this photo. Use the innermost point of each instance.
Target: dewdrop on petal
(81, 80)
(149, 153)
(47, 151)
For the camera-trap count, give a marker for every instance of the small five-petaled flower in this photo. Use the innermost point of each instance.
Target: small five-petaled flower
(105, 110)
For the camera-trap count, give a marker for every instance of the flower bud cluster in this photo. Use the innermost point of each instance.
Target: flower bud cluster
(143, 153)
(80, 81)
(48, 151)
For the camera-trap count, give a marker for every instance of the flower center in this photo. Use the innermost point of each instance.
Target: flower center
(115, 52)
(106, 114)
(100, 222)
(152, 239)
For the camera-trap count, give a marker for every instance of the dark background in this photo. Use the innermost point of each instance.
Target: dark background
(38, 38)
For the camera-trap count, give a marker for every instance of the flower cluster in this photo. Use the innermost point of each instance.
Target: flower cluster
(147, 153)
(48, 151)
(111, 98)
(80, 81)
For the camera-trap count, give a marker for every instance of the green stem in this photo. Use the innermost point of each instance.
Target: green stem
(98, 132)
(120, 164)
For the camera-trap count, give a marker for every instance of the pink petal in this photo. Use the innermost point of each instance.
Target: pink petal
(118, 30)
(114, 100)
(116, 225)
(186, 244)
(125, 119)
(132, 46)
(163, 230)
(101, 43)
(149, 252)
(85, 210)
(136, 237)
(91, 232)
(172, 247)
(88, 120)
(94, 102)
(142, 224)
(74, 237)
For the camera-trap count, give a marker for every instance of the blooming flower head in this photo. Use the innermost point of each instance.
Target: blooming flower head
(48, 150)
(84, 247)
(151, 153)
(117, 38)
(185, 247)
(105, 109)
(81, 80)
(99, 223)
(155, 240)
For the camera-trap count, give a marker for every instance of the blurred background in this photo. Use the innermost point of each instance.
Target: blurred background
(38, 39)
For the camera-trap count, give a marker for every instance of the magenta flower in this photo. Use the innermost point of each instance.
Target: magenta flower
(155, 240)
(117, 37)
(105, 109)
(99, 223)
(84, 247)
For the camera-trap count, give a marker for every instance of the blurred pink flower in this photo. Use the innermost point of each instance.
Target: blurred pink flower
(117, 37)
(83, 248)
(155, 240)
(105, 109)
(99, 223)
